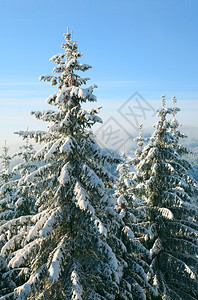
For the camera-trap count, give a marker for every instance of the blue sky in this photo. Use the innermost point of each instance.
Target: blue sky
(149, 46)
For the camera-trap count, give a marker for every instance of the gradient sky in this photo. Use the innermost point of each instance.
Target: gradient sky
(149, 46)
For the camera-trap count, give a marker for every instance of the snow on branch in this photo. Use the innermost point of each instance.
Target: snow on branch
(157, 247)
(14, 222)
(89, 177)
(68, 145)
(34, 231)
(76, 287)
(89, 115)
(21, 255)
(46, 115)
(98, 225)
(181, 267)
(51, 153)
(166, 213)
(129, 233)
(56, 58)
(113, 262)
(65, 174)
(82, 198)
(38, 173)
(11, 243)
(47, 228)
(55, 268)
(30, 286)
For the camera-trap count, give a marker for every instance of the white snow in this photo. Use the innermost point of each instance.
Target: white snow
(122, 213)
(166, 213)
(68, 145)
(157, 247)
(113, 262)
(121, 200)
(14, 223)
(152, 153)
(50, 154)
(82, 198)
(99, 226)
(90, 176)
(65, 174)
(19, 201)
(41, 170)
(190, 272)
(56, 263)
(21, 255)
(34, 231)
(40, 152)
(76, 287)
(47, 228)
(89, 115)
(26, 288)
(11, 243)
(128, 232)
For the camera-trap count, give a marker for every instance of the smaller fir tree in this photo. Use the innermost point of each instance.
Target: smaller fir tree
(25, 203)
(164, 183)
(132, 213)
(7, 187)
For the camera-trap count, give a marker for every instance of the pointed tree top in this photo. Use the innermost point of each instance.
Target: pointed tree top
(5, 147)
(68, 35)
(140, 129)
(163, 100)
(123, 156)
(140, 140)
(174, 101)
(140, 137)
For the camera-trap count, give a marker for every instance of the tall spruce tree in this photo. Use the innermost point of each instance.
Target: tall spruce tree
(74, 247)
(164, 183)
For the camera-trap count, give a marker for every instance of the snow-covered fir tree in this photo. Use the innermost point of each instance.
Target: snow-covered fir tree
(131, 210)
(128, 204)
(75, 247)
(133, 217)
(7, 209)
(164, 183)
(7, 186)
(16, 200)
(25, 202)
(5, 162)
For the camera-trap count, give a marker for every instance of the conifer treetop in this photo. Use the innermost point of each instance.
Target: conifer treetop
(67, 64)
(70, 119)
